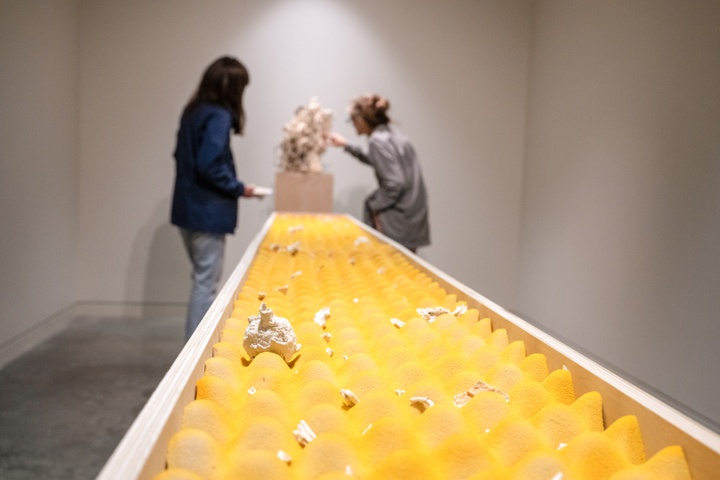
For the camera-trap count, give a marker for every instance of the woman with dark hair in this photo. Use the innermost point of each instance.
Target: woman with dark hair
(398, 208)
(205, 198)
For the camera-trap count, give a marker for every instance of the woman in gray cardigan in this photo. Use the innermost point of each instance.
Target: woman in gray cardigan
(398, 208)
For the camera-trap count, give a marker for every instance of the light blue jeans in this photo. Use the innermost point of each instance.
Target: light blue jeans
(206, 252)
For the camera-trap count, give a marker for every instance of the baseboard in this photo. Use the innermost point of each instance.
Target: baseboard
(34, 336)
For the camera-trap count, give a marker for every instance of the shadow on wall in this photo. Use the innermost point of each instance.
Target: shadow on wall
(350, 200)
(159, 270)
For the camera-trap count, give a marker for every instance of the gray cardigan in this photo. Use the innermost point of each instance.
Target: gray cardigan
(400, 202)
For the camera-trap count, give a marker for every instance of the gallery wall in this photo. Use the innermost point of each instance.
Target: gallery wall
(621, 211)
(456, 79)
(38, 162)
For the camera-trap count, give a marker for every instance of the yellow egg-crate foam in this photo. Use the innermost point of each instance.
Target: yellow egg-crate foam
(526, 424)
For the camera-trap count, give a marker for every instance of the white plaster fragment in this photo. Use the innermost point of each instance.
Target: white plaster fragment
(321, 316)
(285, 457)
(349, 397)
(294, 248)
(397, 322)
(361, 240)
(269, 333)
(304, 434)
(423, 403)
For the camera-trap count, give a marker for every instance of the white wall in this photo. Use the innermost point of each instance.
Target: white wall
(621, 214)
(456, 78)
(38, 161)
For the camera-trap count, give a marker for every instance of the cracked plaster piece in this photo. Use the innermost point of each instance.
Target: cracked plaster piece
(283, 289)
(269, 333)
(321, 316)
(304, 433)
(261, 295)
(431, 313)
(423, 403)
(329, 351)
(558, 476)
(327, 336)
(349, 397)
(399, 392)
(304, 138)
(367, 429)
(461, 399)
(296, 274)
(252, 391)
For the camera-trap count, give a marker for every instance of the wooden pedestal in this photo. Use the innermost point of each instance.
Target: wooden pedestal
(304, 192)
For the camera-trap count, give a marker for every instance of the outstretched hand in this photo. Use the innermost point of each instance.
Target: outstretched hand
(336, 140)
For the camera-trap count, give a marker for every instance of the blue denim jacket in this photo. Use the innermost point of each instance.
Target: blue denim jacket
(206, 191)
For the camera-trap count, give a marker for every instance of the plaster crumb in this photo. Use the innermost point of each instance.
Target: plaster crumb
(294, 248)
(321, 316)
(349, 397)
(252, 391)
(304, 433)
(284, 457)
(361, 240)
(423, 403)
(397, 322)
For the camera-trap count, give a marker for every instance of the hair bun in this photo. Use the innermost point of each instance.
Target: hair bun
(381, 103)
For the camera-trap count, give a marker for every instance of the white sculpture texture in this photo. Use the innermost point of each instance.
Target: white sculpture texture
(304, 138)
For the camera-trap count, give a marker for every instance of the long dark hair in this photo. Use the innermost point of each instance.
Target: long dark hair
(223, 84)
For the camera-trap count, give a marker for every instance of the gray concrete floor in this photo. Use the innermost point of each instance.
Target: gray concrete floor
(65, 405)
